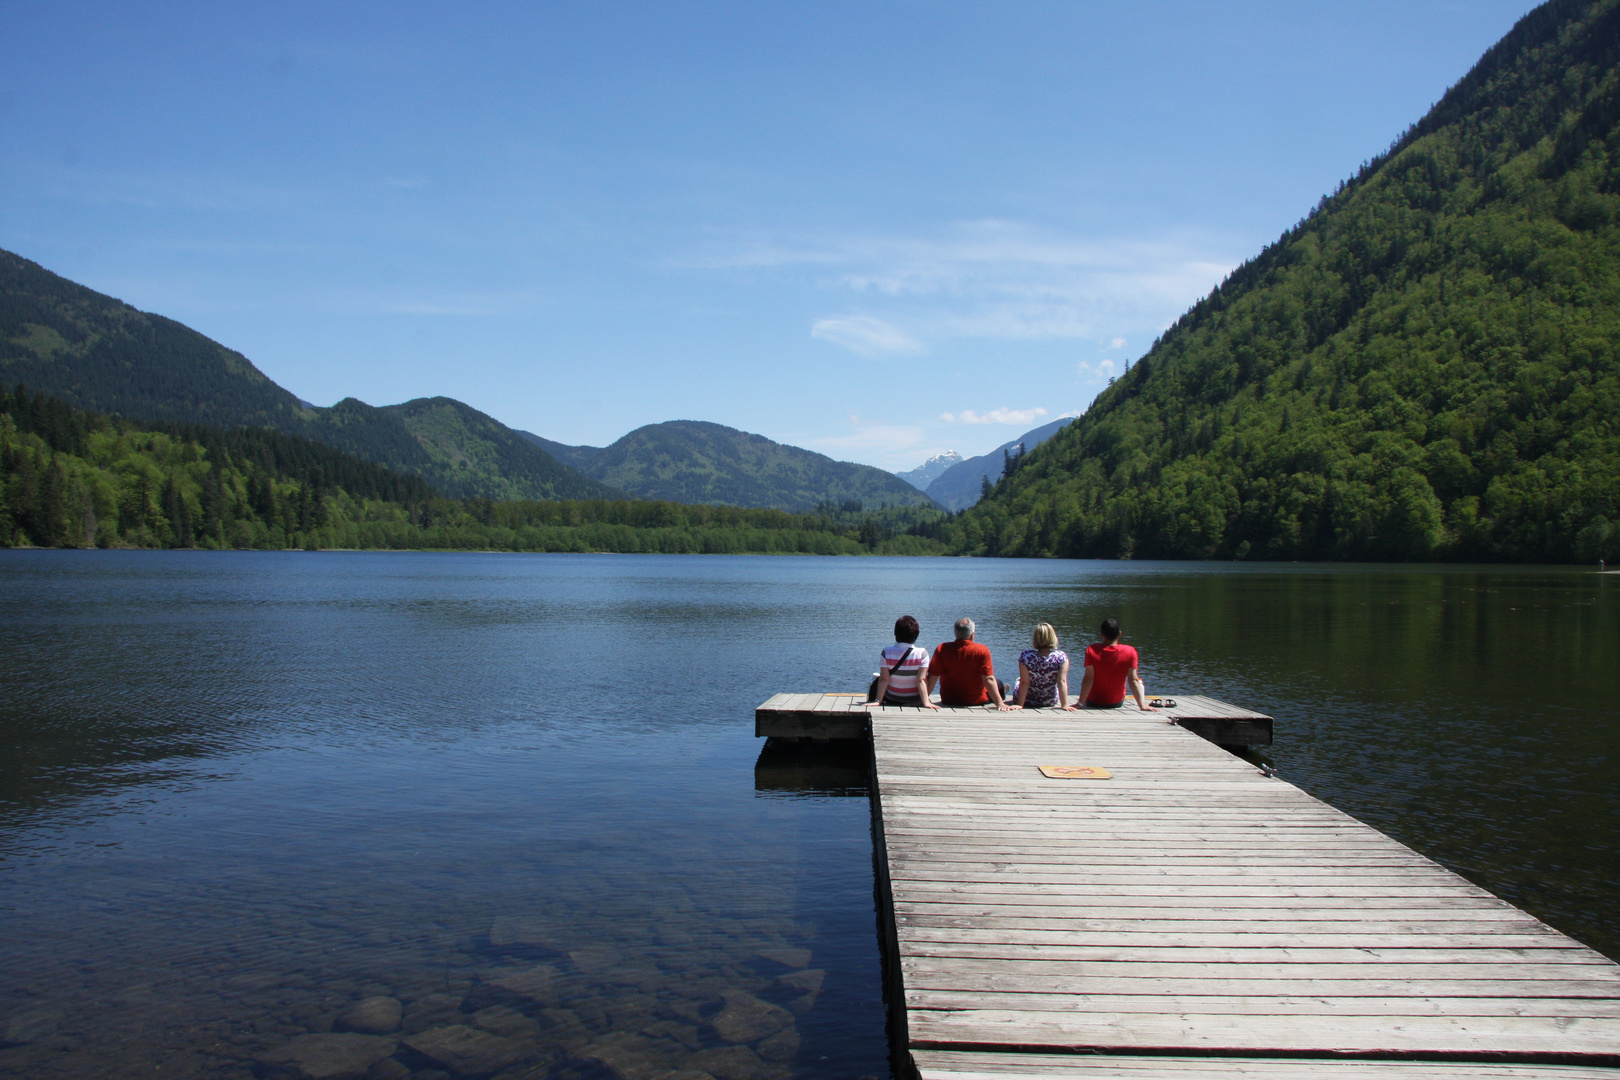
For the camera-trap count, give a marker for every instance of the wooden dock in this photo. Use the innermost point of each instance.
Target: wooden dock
(844, 716)
(1190, 916)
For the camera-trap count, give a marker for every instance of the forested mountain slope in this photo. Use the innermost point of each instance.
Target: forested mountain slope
(580, 457)
(95, 352)
(692, 461)
(98, 353)
(960, 486)
(459, 450)
(73, 478)
(1428, 366)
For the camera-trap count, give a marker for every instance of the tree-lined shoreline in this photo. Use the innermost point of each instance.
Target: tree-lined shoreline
(78, 479)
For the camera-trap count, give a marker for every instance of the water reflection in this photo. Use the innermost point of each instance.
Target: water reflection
(833, 768)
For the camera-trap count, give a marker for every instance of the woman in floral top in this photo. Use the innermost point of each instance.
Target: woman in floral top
(1043, 673)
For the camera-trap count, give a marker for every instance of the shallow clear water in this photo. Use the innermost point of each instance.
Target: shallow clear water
(241, 792)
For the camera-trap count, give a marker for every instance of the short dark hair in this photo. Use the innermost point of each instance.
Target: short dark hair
(906, 629)
(1110, 629)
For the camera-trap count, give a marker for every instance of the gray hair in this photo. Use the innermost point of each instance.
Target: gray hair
(964, 628)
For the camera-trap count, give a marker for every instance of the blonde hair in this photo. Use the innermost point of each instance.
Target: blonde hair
(1045, 636)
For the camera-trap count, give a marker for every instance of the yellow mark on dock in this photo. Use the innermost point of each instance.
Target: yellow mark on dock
(1075, 772)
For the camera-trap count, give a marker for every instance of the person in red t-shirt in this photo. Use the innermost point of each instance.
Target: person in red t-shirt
(964, 673)
(1109, 666)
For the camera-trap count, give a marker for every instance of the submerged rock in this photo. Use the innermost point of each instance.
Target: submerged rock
(625, 1062)
(685, 1034)
(540, 984)
(509, 930)
(787, 955)
(566, 1025)
(508, 1023)
(734, 1063)
(807, 981)
(431, 1010)
(387, 1069)
(335, 1056)
(27, 1027)
(747, 1019)
(779, 1047)
(595, 959)
(466, 1051)
(371, 1016)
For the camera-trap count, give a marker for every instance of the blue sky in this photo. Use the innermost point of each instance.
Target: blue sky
(877, 230)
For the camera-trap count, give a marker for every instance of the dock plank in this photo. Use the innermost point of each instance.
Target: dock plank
(843, 716)
(969, 1065)
(1192, 916)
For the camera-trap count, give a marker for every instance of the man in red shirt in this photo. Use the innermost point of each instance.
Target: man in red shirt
(964, 673)
(1108, 667)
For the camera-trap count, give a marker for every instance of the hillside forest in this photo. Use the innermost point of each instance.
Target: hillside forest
(1426, 367)
(74, 478)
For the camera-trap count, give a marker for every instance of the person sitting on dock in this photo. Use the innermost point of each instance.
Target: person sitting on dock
(1109, 666)
(964, 673)
(904, 674)
(1043, 673)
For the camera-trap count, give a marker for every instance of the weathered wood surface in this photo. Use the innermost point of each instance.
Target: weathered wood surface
(844, 716)
(1193, 917)
(812, 716)
(961, 1065)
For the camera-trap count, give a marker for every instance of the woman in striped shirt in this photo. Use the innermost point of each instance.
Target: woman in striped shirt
(904, 669)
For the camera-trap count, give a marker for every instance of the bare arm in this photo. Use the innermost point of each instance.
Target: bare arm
(1139, 692)
(882, 688)
(925, 687)
(992, 688)
(1085, 683)
(1023, 685)
(1063, 689)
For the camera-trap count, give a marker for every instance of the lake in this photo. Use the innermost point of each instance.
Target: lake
(517, 796)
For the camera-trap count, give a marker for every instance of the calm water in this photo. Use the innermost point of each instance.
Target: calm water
(517, 796)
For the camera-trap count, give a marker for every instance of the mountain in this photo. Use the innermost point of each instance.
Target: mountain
(1427, 366)
(459, 450)
(692, 461)
(578, 457)
(958, 487)
(98, 353)
(924, 474)
(73, 478)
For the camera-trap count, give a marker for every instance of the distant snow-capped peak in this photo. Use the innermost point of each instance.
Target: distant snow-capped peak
(925, 474)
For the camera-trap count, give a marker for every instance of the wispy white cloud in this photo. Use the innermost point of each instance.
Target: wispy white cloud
(866, 335)
(996, 279)
(888, 446)
(1022, 417)
(1100, 369)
